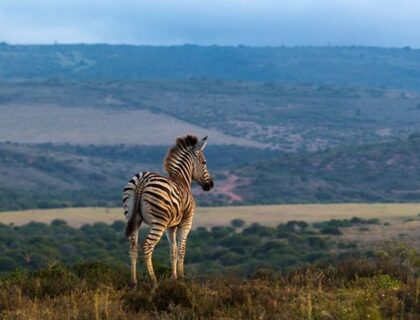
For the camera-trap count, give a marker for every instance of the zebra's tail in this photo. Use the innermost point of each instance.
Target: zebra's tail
(131, 203)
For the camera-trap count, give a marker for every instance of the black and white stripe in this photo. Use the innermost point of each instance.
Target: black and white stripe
(166, 204)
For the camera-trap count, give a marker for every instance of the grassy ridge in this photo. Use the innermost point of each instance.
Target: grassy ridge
(381, 287)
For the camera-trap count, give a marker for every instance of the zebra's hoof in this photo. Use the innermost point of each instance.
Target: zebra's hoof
(132, 285)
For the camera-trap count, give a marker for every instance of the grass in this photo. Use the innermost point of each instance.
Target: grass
(270, 215)
(385, 286)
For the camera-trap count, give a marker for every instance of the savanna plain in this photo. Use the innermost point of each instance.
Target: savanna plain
(316, 209)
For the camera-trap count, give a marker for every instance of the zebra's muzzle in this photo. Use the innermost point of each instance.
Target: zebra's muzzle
(207, 186)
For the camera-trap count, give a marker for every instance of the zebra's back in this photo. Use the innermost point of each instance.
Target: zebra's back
(151, 198)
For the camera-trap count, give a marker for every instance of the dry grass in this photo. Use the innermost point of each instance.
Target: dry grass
(356, 289)
(270, 215)
(375, 235)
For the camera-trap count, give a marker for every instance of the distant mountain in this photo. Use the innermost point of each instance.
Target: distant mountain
(385, 172)
(363, 66)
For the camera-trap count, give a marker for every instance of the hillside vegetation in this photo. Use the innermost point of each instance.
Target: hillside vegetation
(323, 65)
(47, 176)
(386, 172)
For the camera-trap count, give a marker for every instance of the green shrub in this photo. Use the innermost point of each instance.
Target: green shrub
(331, 231)
(7, 264)
(237, 223)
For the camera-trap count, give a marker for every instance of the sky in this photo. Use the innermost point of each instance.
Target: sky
(385, 23)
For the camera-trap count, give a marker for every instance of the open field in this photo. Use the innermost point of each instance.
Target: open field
(84, 125)
(269, 215)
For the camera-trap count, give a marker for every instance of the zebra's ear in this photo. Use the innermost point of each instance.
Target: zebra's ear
(201, 144)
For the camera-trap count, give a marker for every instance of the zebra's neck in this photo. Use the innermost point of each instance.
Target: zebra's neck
(180, 169)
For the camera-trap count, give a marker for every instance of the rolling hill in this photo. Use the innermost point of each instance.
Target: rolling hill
(45, 176)
(286, 117)
(348, 66)
(76, 121)
(49, 175)
(384, 172)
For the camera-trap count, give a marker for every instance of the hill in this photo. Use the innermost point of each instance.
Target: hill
(286, 117)
(398, 68)
(385, 172)
(49, 175)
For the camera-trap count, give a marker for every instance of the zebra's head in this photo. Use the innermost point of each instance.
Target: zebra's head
(185, 161)
(200, 173)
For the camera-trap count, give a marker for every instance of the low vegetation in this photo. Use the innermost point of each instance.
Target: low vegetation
(382, 286)
(232, 249)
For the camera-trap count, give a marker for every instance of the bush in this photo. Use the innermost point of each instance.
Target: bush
(317, 242)
(58, 223)
(7, 264)
(50, 282)
(99, 273)
(331, 230)
(168, 293)
(237, 223)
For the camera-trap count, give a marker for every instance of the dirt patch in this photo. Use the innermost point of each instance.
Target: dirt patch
(227, 187)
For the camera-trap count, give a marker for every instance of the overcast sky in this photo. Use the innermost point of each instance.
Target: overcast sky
(390, 23)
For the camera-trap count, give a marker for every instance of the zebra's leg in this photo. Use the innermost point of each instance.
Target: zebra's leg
(152, 238)
(171, 235)
(133, 252)
(182, 234)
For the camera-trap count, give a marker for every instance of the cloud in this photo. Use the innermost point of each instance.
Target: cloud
(250, 22)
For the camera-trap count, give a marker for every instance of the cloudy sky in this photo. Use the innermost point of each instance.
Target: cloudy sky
(390, 23)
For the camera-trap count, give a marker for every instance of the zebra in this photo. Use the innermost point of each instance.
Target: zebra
(165, 204)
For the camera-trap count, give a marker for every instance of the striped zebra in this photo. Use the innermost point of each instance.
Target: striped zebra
(166, 204)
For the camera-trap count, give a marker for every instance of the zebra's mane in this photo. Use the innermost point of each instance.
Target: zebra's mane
(178, 149)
